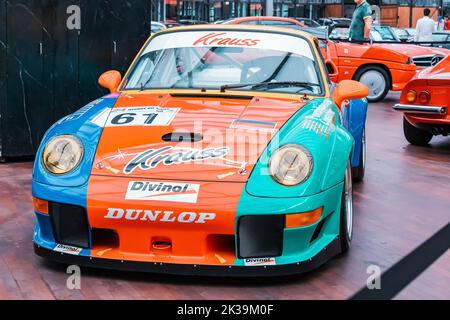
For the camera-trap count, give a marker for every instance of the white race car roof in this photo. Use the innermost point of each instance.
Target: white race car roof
(226, 38)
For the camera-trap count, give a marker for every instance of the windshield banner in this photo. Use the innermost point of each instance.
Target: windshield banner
(235, 39)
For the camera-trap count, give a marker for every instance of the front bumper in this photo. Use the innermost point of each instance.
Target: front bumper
(322, 257)
(409, 108)
(299, 247)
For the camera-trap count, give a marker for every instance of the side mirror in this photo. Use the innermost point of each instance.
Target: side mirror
(348, 90)
(110, 80)
(333, 71)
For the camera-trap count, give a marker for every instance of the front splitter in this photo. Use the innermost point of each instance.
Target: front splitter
(323, 256)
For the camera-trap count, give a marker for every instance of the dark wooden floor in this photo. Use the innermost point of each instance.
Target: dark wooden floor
(403, 201)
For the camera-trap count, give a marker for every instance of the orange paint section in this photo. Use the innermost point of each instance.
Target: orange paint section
(303, 219)
(243, 126)
(163, 231)
(40, 205)
(154, 227)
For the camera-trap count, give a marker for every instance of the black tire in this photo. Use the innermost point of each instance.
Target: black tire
(359, 172)
(345, 236)
(387, 80)
(414, 135)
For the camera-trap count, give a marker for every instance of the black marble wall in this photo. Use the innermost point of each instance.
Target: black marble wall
(48, 71)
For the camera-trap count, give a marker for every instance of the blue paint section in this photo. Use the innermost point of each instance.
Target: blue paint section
(354, 119)
(71, 188)
(79, 124)
(43, 234)
(66, 195)
(43, 229)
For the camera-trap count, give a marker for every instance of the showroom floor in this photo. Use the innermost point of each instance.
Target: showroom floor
(403, 201)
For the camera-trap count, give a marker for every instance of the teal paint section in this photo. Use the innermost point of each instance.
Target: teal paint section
(297, 246)
(317, 127)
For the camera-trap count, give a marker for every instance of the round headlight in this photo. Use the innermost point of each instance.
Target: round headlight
(291, 165)
(62, 154)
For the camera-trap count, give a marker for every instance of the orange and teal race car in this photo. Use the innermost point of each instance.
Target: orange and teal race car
(225, 150)
(425, 102)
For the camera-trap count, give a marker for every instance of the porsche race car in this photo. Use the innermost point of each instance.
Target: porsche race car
(224, 150)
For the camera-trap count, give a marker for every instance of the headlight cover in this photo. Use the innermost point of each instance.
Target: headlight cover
(62, 154)
(291, 165)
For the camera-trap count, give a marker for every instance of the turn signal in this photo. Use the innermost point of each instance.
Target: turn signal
(411, 96)
(303, 219)
(40, 206)
(424, 97)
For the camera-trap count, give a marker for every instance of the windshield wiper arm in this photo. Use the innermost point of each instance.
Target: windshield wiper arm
(268, 84)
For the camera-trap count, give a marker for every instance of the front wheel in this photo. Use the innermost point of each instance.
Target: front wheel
(346, 219)
(376, 79)
(414, 135)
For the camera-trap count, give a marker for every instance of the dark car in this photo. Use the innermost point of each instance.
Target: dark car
(335, 21)
(190, 22)
(309, 22)
(170, 23)
(377, 33)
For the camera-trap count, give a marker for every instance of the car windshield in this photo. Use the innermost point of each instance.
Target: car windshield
(411, 32)
(339, 33)
(383, 34)
(401, 32)
(218, 59)
(439, 37)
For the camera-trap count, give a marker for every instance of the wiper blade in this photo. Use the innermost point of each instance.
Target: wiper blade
(268, 84)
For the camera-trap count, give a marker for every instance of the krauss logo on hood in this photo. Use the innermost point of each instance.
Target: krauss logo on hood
(221, 39)
(169, 155)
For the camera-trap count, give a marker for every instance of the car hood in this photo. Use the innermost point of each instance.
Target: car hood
(188, 137)
(414, 50)
(354, 50)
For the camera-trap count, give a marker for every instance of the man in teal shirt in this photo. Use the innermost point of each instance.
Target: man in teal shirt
(361, 22)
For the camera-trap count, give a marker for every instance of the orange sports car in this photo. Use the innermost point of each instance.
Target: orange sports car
(425, 101)
(371, 63)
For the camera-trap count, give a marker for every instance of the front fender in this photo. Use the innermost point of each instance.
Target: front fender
(354, 120)
(317, 127)
(83, 125)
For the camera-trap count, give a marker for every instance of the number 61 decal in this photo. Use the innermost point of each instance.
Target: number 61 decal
(141, 116)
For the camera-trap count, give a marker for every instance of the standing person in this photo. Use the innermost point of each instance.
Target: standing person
(361, 22)
(446, 22)
(425, 27)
